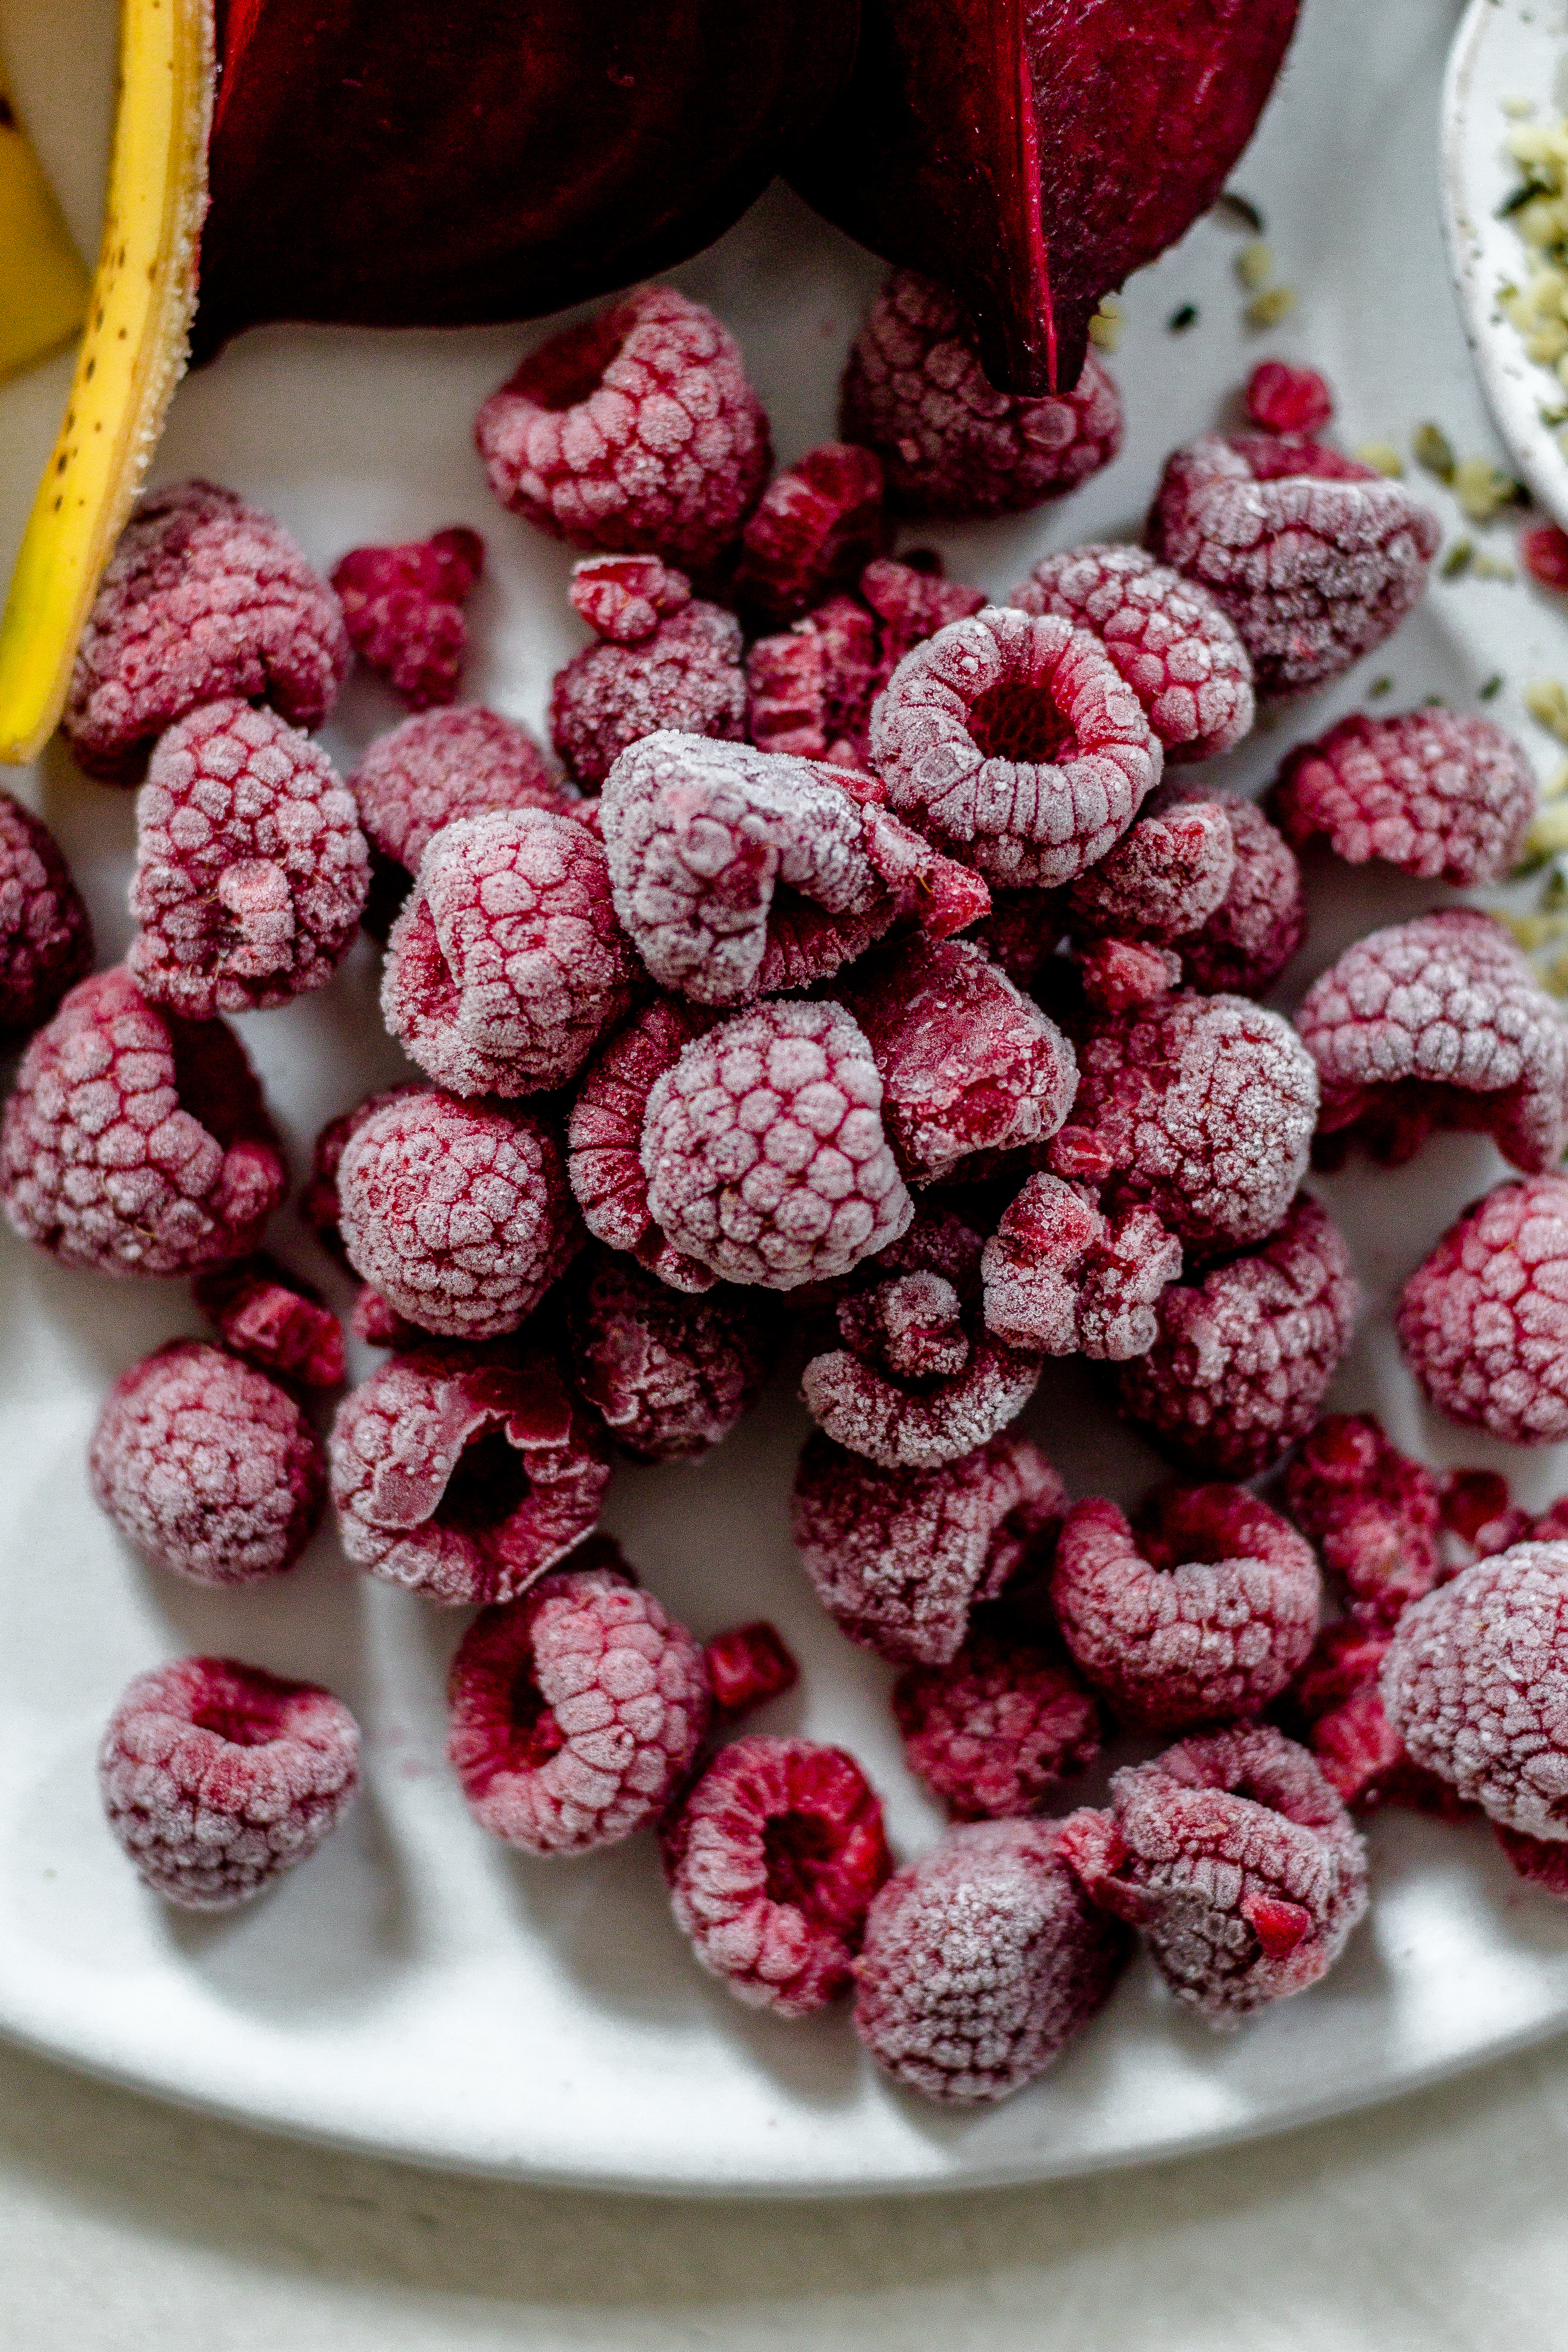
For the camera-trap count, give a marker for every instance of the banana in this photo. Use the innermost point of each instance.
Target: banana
(44, 296)
(133, 355)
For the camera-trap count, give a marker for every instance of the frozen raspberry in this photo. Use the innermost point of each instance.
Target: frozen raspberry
(136, 1142)
(912, 599)
(204, 598)
(1238, 1861)
(1117, 974)
(402, 610)
(380, 1325)
(668, 1376)
(764, 1150)
(1483, 1322)
(814, 528)
(1541, 1864)
(1245, 1352)
(1164, 877)
(46, 937)
(463, 1475)
(1441, 794)
(457, 1212)
(994, 1731)
(1544, 552)
(251, 870)
(1243, 947)
(748, 1666)
(686, 675)
(980, 1961)
(1372, 1512)
(574, 1712)
(899, 1557)
(1435, 1023)
(915, 391)
(217, 1777)
(1479, 1517)
(1355, 1746)
(275, 1320)
(1062, 1279)
(1285, 399)
(809, 691)
(1200, 1108)
(319, 1203)
(1314, 557)
(206, 1466)
(435, 768)
(772, 1860)
(1014, 738)
(624, 597)
(1171, 640)
(637, 430)
(1022, 932)
(605, 1162)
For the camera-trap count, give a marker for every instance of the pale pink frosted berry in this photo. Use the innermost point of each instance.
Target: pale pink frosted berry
(1243, 947)
(1061, 1278)
(605, 1137)
(1164, 877)
(1443, 795)
(1483, 1322)
(994, 1731)
(669, 1375)
(435, 767)
(686, 674)
(318, 1203)
(46, 937)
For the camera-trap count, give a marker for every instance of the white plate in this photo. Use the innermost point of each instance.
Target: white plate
(415, 1990)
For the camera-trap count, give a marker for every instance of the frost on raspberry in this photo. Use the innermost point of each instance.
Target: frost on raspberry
(275, 1319)
(1443, 795)
(251, 870)
(318, 1205)
(981, 1961)
(216, 1777)
(403, 608)
(995, 1731)
(463, 1475)
(1285, 399)
(1014, 739)
(1245, 1352)
(1237, 1860)
(135, 1142)
(204, 599)
(457, 1213)
(1061, 1278)
(1372, 1513)
(574, 1710)
(605, 1137)
(1336, 1703)
(814, 528)
(746, 1666)
(1438, 1023)
(634, 431)
(1243, 947)
(1165, 877)
(685, 673)
(811, 688)
(915, 391)
(772, 1860)
(669, 1376)
(899, 1558)
(46, 937)
(435, 768)
(1315, 557)
(1483, 1322)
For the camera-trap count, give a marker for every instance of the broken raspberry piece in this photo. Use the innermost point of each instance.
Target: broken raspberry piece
(686, 675)
(1243, 947)
(216, 1777)
(1483, 1322)
(1285, 399)
(605, 1137)
(994, 1731)
(46, 937)
(402, 610)
(1116, 974)
(135, 1142)
(1372, 1513)
(814, 528)
(912, 599)
(1539, 1864)
(668, 1376)
(811, 689)
(275, 1319)
(1479, 1517)
(1164, 877)
(1062, 1279)
(318, 1205)
(624, 597)
(1356, 1748)
(435, 768)
(1441, 794)
(748, 1666)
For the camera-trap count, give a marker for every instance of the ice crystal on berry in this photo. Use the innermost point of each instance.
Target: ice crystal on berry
(668, 1376)
(1062, 1278)
(685, 675)
(1441, 794)
(275, 1319)
(1243, 947)
(813, 529)
(994, 1731)
(1483, 1322)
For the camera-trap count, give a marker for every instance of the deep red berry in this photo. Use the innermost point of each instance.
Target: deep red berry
(1164, 877)
(1285, 399)
(1545, 553)
(811, 689)
(1355, 1746)
(402, 610)
(1243, 947)
(1479, 1517)
(814, 528)
(669, 1375)
(46, 937)
(605, 1137)
(1441, 794)
(275, 1319)
(1372, 1513)
(1541, 1862)
(1483, 1322)
(994, 1731)
(687, 675)
(747, 1666)
(1063, 1279)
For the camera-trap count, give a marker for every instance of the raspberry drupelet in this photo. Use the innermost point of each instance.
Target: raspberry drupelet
(995, 1731)
(1439, 1022)
(1201, 1615)
(206, 1466)
(604, 1139)
(1443, 795)
(1285, 399)
(46, 937)
(981, 1961)
(810, 691)
(1243, 946)
(464, 1476)
(814, 528)
(275, 1319)
(457, 1213)
(1014, 739)
(772, 1860)
(1061, 1278)
(899, 1558)
(1315, 557)
(402, 610)
(634, 431)
(1483, 1322)
(1544, 551)
(204, 599)
(683, 671)
(915, 391)
(135, 1142)
(1372, 1513)
(1238, 1861)
(669, 1375)
(576, 1710)
(1245, 1352)
(746, 1666)
(217, 1777)
(251, 870)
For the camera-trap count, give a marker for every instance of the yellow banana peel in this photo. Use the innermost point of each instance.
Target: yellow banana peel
(42, 283)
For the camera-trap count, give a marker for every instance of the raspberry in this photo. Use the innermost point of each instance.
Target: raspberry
(980, 1961)
(1245, 1352)
(1117, 974)
(814, 528)
(318, 1205)
(1022, 932)
(1438, 1023)
(915, 391)
(458, 1212)
(1479, 1517)
(605, 1136)
(772, 1859)
(1441, 794)
(1372, 1512)
(637, 430)
(1483, 1322)
(274, 1319)
(1172, 642)
(994, 1730)
(1165, 877)
(1061, 1278)
(746, 1666)
(46, 937)
(135, 1142)
(1238, 1861)
(1355, 1746)
(668, 1376)
(1315, 557)
(205, 597)
(1284, 399)
(764, 1150)
(251, 870)
(507, 965)
(1247, 943)
(899, 1557)
(811, 689)
(217, 1777)
(1014, 739)
(462, 1476)
(1544, 552)
(574, 1712)
(402, 610)
(207, 1466)
(435, 768)
(624, 597)
(1199, 1107)
(687, 675)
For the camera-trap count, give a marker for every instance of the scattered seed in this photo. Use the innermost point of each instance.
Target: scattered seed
(1546, 699)
(1255, 265)
(1492, 686)
(1382, 457)
(1458, 559)
(1266, 310)
(1434, 450)
(1380, 686)
(1180, 321)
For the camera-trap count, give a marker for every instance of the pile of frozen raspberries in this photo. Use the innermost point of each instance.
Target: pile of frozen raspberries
(869, 978)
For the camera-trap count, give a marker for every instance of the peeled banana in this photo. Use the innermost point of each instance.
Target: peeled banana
(43, 285)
